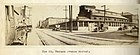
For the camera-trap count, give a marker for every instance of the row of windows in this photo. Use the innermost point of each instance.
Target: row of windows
(85, 24)
(68, 24)
(81, 24)
(109, 19)
(114, 24)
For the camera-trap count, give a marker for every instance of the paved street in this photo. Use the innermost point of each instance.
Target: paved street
(49, 37)
(111, 35)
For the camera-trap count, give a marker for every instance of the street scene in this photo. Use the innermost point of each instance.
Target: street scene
(72, 25)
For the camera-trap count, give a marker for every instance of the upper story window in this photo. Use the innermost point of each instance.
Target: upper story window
(100, 18)
(114, 19)
(95, 18)
(106, 19)
(126, 20)
(120, 20)
(98, 11)
(109, 19)
(108, 13)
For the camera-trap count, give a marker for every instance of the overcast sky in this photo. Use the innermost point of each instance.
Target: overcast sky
(41, 12)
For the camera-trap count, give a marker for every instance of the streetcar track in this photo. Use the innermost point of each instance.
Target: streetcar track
(91, 43)
(75, 39)
(44, 42)
(95, 39)
(101, 39)
(80, 40)
(57, 39)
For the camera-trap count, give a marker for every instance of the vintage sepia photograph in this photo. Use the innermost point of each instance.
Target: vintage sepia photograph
(95, 24)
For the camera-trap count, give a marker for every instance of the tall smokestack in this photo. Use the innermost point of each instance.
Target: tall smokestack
(70, 18)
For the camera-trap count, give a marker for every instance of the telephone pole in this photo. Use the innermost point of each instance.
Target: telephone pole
(104, 12)
(138, 19)
(66, 17)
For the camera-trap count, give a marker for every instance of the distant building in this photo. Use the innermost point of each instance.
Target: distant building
(128, 15)
(135, 19)
(131, 17)
(51, 21)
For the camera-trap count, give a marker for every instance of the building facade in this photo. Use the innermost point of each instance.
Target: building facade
(131, 17)
(90, 18)
(50, 21)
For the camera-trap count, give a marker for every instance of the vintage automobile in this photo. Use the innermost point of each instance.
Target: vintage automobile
(56, 28)
(100, 28)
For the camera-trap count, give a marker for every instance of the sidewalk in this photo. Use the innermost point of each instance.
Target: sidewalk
(133, 34)
(33, 39)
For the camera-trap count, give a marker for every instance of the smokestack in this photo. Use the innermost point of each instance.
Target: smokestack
(70, 18)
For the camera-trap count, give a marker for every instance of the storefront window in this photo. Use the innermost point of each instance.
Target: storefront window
(74, 23)
(85, 24)
(109, 24)
(80, 24)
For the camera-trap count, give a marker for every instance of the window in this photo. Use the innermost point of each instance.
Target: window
(99, 12)
(100, 18)
(95, 18)
(74, 23)
(109, 24)
(85, 24)
(80, 24)
(114, 19)
(90, 22)
(125, 20)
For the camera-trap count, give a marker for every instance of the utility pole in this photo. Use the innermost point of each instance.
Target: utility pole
(104, 12)
(66, 17)
(138, 19)
(24, 11)
(137, 14)
(70, 18)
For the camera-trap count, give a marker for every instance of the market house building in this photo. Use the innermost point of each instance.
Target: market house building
(89, 18)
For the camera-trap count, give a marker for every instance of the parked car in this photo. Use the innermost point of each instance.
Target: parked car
(56, 28)
(100, 28)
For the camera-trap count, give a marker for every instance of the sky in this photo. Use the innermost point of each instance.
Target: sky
(41, 12)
